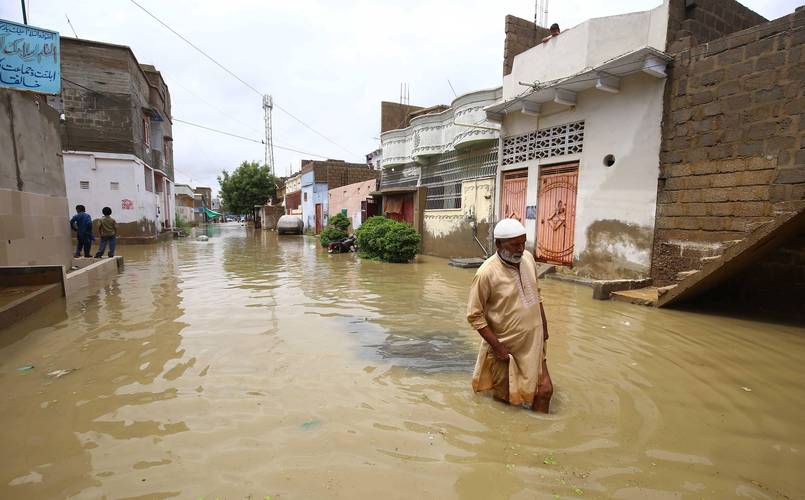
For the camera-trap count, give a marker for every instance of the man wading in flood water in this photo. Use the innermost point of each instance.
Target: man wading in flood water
(506, 308)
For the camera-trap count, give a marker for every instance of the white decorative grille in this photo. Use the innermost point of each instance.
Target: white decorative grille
(546, 143)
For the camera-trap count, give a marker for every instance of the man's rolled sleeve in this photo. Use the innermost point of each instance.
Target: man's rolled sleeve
(479, 293)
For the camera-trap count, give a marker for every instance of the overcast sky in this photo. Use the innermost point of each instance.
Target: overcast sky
(328, 63)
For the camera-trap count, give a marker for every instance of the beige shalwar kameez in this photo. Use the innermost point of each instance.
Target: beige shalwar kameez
(507, 300)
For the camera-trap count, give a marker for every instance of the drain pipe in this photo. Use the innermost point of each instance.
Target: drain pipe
(474, 225)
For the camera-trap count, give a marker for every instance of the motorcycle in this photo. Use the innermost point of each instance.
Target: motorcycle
(344, 245)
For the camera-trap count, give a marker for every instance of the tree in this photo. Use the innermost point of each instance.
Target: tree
(249, 185)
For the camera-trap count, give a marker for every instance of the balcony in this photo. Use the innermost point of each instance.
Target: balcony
(461, 125)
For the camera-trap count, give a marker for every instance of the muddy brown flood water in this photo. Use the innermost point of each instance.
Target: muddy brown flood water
(251, 365)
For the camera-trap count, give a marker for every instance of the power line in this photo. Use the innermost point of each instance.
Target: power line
(241, 80)
(216, 108)
(244, 137)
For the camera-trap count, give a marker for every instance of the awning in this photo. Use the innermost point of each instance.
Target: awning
(211, 213)
(605, 77)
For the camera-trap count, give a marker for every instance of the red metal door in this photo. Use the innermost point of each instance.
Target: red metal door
(515, 185)
(408, 209)
(318, 218)
(557, 213)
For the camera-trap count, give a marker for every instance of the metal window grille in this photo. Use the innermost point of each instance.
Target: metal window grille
(400, 177)
(546, 143)
(114, 186)
(84, 184)
(443, 178)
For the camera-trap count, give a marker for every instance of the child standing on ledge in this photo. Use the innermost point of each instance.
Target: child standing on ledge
(108, 232)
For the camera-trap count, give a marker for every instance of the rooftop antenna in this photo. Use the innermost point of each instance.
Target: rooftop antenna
(71, 26)
(541, 13)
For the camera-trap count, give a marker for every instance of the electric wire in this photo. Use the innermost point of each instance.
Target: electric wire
(286, 148)
(241, 80)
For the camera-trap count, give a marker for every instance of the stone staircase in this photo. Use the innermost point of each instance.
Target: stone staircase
(732, 257)
(735, 256)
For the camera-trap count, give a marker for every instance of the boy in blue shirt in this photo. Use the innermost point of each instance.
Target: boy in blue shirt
(81, 223)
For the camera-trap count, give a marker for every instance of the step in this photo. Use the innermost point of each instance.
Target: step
(681, 275)
(642, 296)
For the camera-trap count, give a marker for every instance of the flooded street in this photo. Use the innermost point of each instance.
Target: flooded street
(252, 365)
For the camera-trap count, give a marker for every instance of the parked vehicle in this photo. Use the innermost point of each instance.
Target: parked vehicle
(344, 245)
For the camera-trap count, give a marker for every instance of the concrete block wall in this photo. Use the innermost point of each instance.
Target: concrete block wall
(707, 20)
(394, 115)
(732, 152)
(34, 215)
(521, 35)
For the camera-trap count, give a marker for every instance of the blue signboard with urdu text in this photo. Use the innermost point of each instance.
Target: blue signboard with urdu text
(30, 58)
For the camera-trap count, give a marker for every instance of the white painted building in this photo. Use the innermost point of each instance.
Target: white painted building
(141, 198)
(184, 197)
(579, 152)
(453, 155)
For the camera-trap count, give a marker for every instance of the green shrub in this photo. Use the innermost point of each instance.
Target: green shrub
(387, 240)
(331, 235)
(339, 221)
(338, 226)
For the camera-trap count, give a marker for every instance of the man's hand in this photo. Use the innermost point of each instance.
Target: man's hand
(500, 351)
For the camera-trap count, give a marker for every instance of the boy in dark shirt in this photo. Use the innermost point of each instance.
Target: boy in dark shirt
(81, 223)
(107, 228)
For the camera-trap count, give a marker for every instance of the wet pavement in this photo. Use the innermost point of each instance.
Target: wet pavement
(249, 365)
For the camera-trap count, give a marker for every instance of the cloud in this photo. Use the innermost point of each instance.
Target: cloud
(328, 63)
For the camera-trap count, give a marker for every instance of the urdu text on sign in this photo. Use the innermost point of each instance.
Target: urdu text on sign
(30, 58)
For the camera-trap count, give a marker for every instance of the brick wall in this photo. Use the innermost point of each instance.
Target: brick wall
(394, 115)
(732, 136)
(521, 35)
(707, 20)
(337, 173)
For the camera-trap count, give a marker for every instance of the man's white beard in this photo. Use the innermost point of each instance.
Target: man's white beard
(513, 258)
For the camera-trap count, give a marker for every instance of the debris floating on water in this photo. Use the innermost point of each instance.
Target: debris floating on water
(202, 237)
(747, 389)
(61, 373)
(310, 424)
(549, 460)
(25, 368)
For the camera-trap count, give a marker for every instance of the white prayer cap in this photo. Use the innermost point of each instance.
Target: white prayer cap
(508, 228)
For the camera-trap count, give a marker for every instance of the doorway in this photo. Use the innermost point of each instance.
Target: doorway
(318, 218)
(513, 203)
(556, 215)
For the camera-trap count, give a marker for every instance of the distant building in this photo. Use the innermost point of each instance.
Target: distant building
(202, 200)
(117, 137)
(438, 174)
(317, 178)
(185, 202)
(354, 201)
(293, 194)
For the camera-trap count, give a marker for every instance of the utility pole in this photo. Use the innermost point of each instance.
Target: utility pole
(268, 105)
(24, 14)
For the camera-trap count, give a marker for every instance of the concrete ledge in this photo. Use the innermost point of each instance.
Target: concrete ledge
(99, 271)
(603, 288)
(30, 302)
(643, 296)
(570, 278)
(25, 289)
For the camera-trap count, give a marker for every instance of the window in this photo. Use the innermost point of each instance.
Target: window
(114, 186)
(149, 179)
(546, 143)
(84, 184)
(444, 177)
(147, 131)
